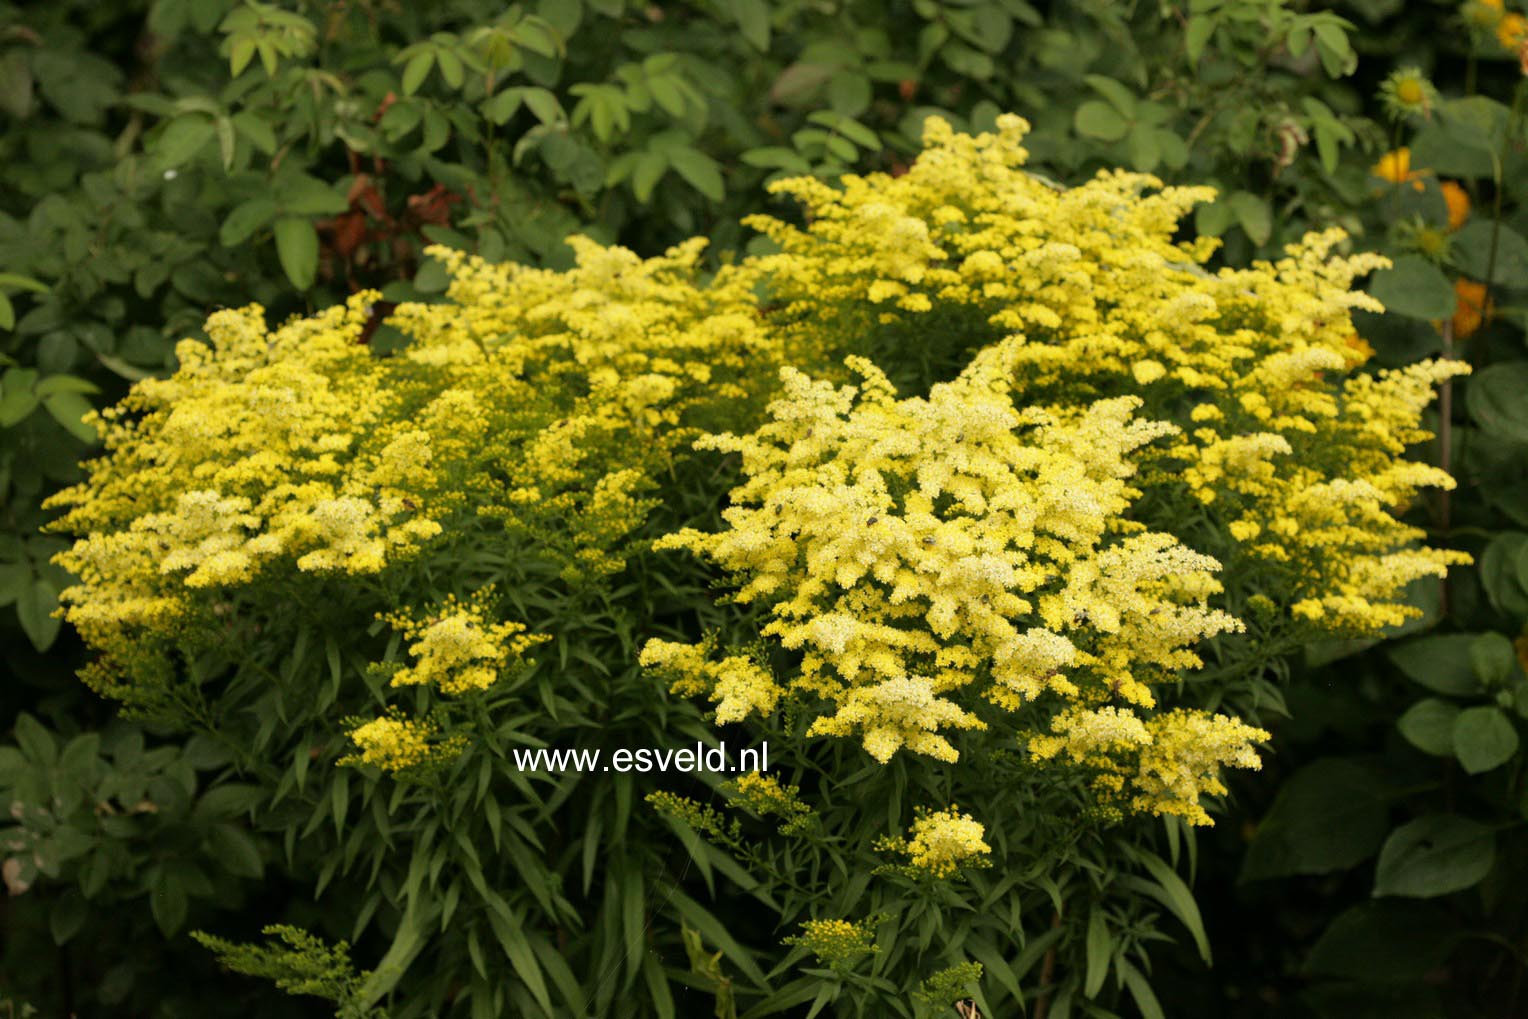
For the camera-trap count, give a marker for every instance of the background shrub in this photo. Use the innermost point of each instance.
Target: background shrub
(145, 183)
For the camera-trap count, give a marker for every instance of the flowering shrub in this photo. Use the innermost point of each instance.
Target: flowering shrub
(1076, 469)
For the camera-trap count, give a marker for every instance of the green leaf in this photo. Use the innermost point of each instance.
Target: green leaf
(167, 901)
(1097, 119)
(67, 916)
(1120, 97)
(1441, 664)
(1253, 215)
(1434, 856)
(34, 610)
(504, 105)
(1329, 815)
(235, 851)
(511, 937)
(1100, 948)
(1502, 575)
(700, 170)
(1144, 151)
(752, 17)
(69, 410)
(299, 194)
(1483, 739)
(1177, 897)
(1383, 940)
(1140, 989)
(1472, 247)
(1436, 149)
(1196, 36)
(297, 248)
(244, 219)
(714, 932)
(182, 139)
(1496, 400)
(1414, 287)
(650, 168)
(1428, 725)
(35, 741)
(1493, 658)
(417, 69)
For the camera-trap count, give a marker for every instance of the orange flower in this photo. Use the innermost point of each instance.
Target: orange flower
(1511, 30)
(1473, 310)
(1361, 350)
(1396, 168)
(1458, 204)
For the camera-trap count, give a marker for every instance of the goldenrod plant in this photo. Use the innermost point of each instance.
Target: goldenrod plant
(1016, 498)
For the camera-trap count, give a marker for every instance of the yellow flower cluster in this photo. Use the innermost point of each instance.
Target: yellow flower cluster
(530, 406)
(1105, 301)
(456, 648)
(400, 744)
(942, 842)
(915, 549)
(1160, 765)
(765, 796)
(835, 941)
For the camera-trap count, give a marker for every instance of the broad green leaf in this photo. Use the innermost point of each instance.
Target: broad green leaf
(1253, 215)
(1434, 856)
(34, 610)
(1414, 287)
(1428, 725)
(700, 171)
(752, 17)
(167, 901)
(1498, 400)
(297, 248)
(417, 69)
(1501, 573)
(1484, 738)
(1473, 246)
(1493, 658)
(300, 194)
(67, 916)
(1384, 939)
(1435, 149)
(1441, 663)
(650, 168)
(1120, 97)
(1328, 816)
(244, 219)
(1097, 119)
(182, 139)
(235, 851)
